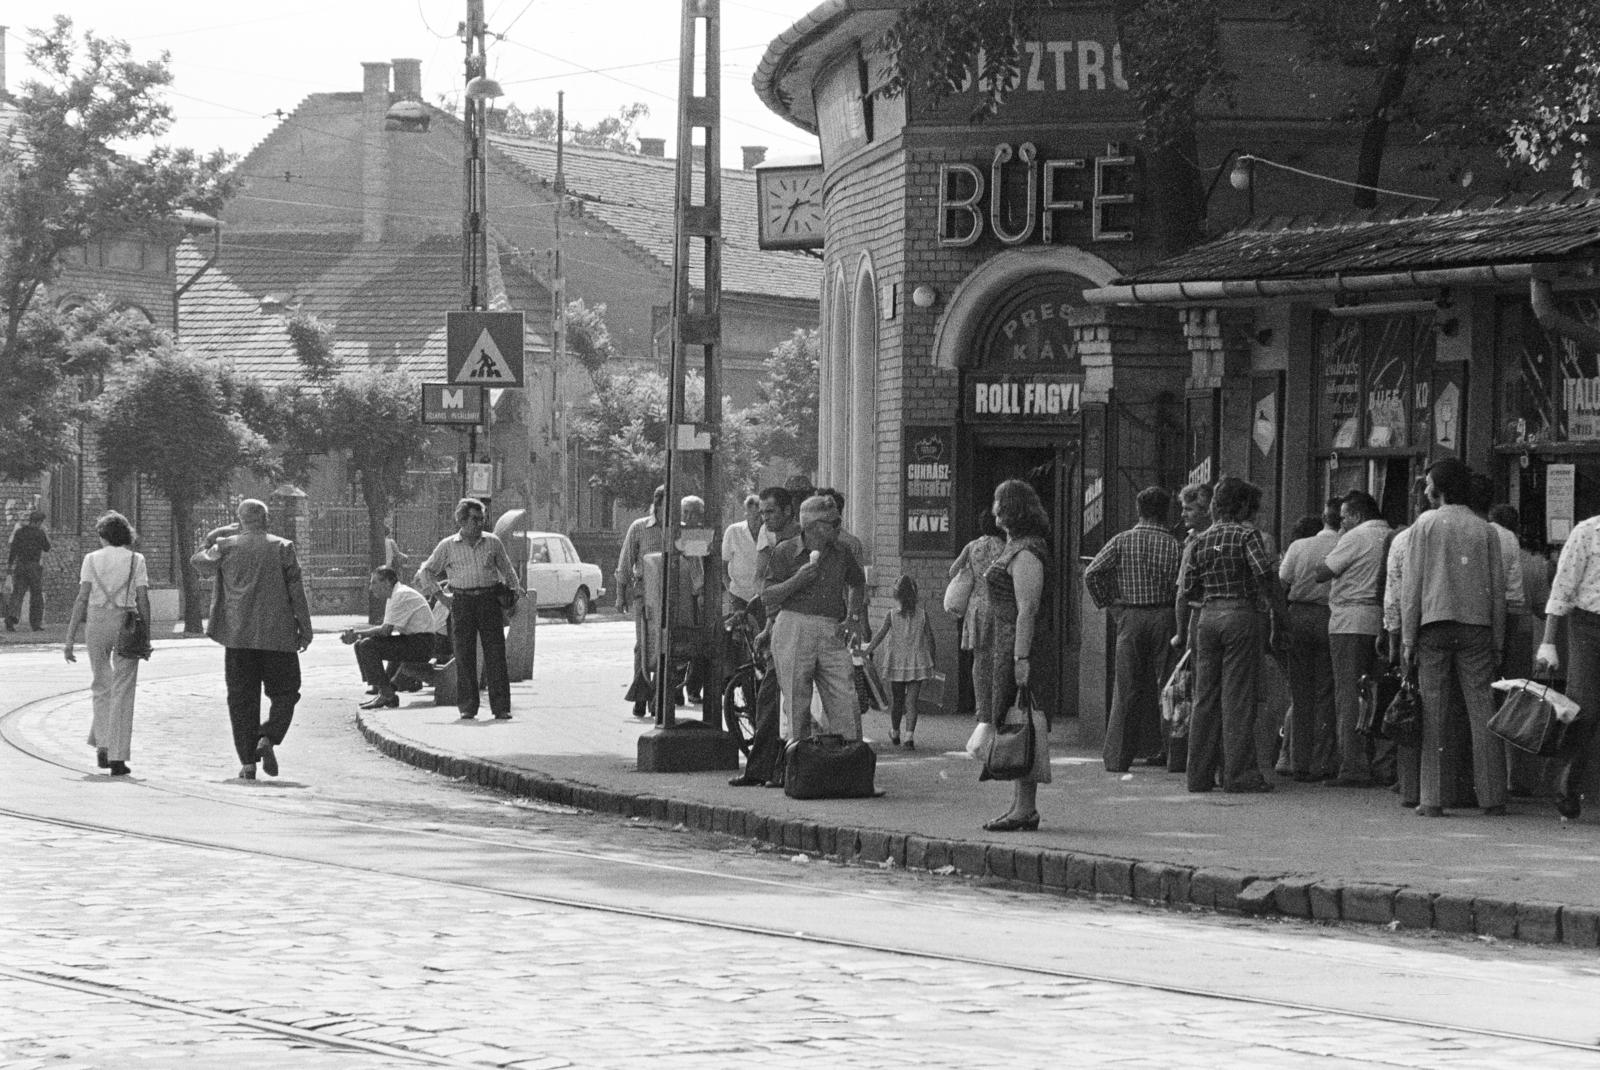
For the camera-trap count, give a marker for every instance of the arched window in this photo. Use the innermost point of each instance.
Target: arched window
(861, 487)
(833, 390)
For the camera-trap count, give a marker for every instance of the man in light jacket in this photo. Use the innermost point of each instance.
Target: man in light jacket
(260, 614)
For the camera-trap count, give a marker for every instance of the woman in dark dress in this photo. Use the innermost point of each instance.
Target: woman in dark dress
(1003, 643)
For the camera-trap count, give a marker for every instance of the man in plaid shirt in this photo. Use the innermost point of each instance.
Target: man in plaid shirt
(1134, 576)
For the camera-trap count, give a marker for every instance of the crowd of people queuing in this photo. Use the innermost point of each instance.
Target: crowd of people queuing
(1453, 599)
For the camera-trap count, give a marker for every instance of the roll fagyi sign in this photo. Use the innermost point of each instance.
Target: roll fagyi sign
(1026, 399)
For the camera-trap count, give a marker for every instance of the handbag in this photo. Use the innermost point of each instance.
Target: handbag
(1177, 699)
(1402, 717)
(1377, 692)
(829, 767)
(959, 592)
(1011, 751)
(133, 638)
(1529, 718)
(507, 596)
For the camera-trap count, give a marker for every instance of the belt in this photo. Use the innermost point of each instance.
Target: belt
(1220, 602)
(471, 590)
(1304, 602)
(1145, 605)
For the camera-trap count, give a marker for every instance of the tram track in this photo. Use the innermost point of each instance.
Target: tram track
(650, 913)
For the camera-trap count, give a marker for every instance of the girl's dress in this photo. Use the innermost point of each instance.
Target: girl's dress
(907, 652)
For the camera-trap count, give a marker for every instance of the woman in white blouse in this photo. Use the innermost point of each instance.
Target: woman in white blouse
(113, 580)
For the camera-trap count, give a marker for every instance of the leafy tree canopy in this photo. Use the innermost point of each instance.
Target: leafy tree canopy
(614, 132)
(783, 422)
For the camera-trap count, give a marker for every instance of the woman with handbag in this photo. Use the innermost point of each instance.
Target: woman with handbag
(1003, 641)
(966, 573)
(114, 580)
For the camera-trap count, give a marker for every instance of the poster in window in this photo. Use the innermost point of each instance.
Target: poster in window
(927, 501)
(1390, 354)
(1340, 385)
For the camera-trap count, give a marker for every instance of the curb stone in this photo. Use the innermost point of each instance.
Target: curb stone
(1176, 887)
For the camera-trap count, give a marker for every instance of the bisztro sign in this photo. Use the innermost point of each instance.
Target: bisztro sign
(1023, 400)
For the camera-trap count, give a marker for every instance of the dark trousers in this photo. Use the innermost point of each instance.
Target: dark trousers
(1459, 659)
(1582, 757)
(27, 580)
(249, 673)
(1144, 643)
(374, 650)
(1313, 733)
(1354, 655)
(1222, 728)
(476, 617)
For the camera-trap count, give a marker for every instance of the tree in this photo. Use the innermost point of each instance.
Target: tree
(614, 132)
(371, 415)
(62, 184)
(167, 418)
(783, 421)
(59, 355)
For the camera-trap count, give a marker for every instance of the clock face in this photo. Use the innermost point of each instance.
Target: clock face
(790, 207)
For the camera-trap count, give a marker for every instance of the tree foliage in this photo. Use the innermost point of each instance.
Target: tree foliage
(168, 417)
(783, 423)
(589, 339)
(58, 355)
(63, 183)
(614, 132)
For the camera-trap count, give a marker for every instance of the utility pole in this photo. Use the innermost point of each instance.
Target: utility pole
(474, 221)
(696, 322)
(558, 318)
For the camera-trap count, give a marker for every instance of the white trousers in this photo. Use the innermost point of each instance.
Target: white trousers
(113, 684)
(808, 652)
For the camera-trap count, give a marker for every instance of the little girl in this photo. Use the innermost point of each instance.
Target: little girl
(910, 658)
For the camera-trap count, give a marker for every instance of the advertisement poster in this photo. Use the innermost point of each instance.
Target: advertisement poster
(926, 491)
(1560, 500)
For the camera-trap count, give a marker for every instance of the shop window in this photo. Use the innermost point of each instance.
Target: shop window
(1376, 383)
(1546, 389)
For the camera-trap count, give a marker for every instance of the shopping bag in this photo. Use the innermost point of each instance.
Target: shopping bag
(1402, 716)
(1530, 718)
(1377, 691)
(1011, 751)
(959, 592)
(866, 671)
(1177, 699)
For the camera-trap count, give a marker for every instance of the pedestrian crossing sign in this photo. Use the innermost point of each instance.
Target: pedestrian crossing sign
(484, 349)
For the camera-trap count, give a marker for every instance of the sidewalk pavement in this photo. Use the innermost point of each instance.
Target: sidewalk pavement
(1306, 851)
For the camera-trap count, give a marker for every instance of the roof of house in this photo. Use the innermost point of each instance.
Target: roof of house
(386, 302)
(1475, 232)
(634, 195)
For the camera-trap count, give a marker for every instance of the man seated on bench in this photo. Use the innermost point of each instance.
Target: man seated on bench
(406, 634)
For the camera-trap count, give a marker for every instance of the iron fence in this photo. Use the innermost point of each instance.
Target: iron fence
(339, 537)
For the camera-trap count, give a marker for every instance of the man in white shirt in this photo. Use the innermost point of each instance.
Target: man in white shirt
(739, 554)
(1355, 621)
(405, 634)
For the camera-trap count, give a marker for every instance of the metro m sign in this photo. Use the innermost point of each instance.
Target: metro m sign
(443, 403)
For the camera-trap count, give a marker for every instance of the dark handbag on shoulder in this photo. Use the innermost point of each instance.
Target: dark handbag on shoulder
(1378, 690)
(1527, 721)
(829, 767)
(133, 638)
(507, 597)
(1402, 717)
(1011, 752)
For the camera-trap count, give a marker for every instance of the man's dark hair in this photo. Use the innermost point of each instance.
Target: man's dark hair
(1482, 493)
(838, 499)
(1235, 499)
(780, 497)
(1452, 480)
(386, 574)
(1362, 504)
(114, 528)
(1330, 512)
(1153, 503)
(466, 505)
(1506, 516)
(1306, 527)
(36, 517)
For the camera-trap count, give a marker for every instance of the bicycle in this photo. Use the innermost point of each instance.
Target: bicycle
(743, 686)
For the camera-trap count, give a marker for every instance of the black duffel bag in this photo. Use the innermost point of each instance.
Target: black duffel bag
(829, 767)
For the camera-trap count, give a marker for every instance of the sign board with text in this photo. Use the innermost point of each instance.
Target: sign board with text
(484, 349)
(927, 523)
(446, 404)
(1022, 399)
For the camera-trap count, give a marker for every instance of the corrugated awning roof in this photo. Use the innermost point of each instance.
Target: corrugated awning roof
(1546, 227)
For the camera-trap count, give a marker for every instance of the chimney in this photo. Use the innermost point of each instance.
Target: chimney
(408, 79)
(653, 146)
(374, 150)
(753, 154)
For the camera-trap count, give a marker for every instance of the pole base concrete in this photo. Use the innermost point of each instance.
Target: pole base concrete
(520, 641)
(687, 747)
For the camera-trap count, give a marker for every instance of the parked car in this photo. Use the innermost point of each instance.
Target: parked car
(559, 579)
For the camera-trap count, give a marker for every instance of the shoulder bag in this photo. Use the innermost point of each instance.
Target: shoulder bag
(133, 639)
(959, 593)
(1011, 751)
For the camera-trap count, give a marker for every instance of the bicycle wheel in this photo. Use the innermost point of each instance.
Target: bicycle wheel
(739, 706)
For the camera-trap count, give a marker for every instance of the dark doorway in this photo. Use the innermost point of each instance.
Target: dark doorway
(1047, 467)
